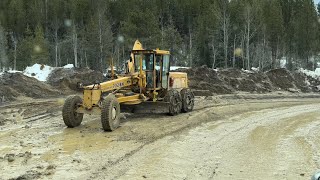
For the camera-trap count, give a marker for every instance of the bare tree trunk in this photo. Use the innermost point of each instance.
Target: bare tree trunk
(3, 47)
(248, 46)
(118, 52)
(85, 56)
(46, 11)
(100, 41)
(234, 51)
(14, 41)
(225, 35)
(56, 45)
(214, 51)
(190, 48)
(242, 54)
(248, 19)
(123, 58)
(59, 56)
(162, 32)
(15, 56)
(263, 52)
(75, 46)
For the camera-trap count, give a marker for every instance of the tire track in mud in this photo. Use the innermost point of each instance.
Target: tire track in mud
(131, 153)
(231, 133)
(201, 116)
(157, 127)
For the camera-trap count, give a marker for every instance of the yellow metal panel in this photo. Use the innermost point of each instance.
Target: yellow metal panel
(96, 96)
(178, 74)
(87, 99)
(180, 79)
(129, 98)
(161, 51)
(137, 45)
(91, 98)
(113, 84)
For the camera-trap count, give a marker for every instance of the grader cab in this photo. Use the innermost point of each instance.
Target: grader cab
(147, 80)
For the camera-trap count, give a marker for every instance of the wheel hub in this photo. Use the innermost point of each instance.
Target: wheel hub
(114, 113)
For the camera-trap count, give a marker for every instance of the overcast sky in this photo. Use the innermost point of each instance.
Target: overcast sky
(316, 1)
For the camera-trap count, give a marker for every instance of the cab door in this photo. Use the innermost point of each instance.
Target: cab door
(148, 67)
(158, 68)
(165, 70)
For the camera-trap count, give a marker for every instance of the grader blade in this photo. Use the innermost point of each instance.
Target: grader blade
(146, 107)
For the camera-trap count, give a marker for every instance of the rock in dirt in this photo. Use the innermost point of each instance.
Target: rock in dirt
(11, 158)
(29, 175)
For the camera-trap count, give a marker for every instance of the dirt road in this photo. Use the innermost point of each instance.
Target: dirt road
(221, 139)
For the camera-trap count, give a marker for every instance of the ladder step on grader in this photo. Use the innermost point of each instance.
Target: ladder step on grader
(147, 79)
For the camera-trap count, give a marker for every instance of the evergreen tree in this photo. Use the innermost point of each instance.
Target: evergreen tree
(39, 52)
(273, 22)
(3, 49)
(199, 32)
(24, 49)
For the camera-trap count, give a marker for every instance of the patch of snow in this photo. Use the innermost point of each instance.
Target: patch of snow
(9, 71)
(68, 66)
(314, 74)
(38, 71)
(255, 69)
(283, 62)
(172, 68)
(14, 71)
(247, 71)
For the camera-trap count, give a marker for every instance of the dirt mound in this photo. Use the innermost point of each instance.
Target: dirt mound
(67, 79)
(312, 83)
(247, 81)
(288, 81)
(13, 85)
(281, 79)
(203, 78)
(226, 81)
(302, 82)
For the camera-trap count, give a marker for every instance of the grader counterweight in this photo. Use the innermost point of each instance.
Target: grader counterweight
(147, 79)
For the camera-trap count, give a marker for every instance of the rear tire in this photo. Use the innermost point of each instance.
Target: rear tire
(174, 99)
(187, 100)
(110, 113)
(70, 117)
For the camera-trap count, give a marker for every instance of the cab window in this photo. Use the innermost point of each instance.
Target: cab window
(147, 62)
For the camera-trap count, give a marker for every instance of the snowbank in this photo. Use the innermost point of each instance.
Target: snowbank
(314, 74)
(10, 71)
(68, 66)
(38, 71)
(172, 68)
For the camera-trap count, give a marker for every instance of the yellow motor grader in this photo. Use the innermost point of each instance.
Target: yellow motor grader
(147, 80)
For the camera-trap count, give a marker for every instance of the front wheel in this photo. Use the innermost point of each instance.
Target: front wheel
(110, 113)
(69, 111)
(187, 100)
